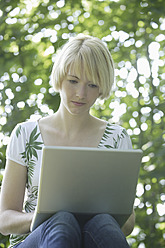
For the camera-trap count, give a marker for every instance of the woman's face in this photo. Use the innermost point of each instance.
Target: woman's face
(78, 93)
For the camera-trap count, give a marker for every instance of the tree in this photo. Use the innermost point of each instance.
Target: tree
(32, 31)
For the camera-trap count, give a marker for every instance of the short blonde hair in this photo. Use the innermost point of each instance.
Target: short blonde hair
(89, 53)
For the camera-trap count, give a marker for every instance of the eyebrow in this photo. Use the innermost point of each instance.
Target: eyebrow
(73, 76)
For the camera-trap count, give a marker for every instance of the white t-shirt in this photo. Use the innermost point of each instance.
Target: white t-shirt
(25, 148)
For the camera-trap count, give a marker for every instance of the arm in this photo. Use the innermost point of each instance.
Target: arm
(12, 219)
(128, 226)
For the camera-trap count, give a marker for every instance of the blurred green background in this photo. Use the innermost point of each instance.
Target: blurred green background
(134, 31)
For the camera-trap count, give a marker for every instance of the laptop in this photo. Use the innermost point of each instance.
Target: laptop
(87, 181)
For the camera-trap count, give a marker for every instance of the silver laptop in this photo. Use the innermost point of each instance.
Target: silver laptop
(87, 181)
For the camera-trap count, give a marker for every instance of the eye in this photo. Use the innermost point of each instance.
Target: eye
(93, 85)
(72, 81)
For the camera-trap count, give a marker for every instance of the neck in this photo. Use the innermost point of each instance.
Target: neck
(73, 124)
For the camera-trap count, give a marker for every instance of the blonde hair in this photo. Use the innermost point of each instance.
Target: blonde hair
(89, 53)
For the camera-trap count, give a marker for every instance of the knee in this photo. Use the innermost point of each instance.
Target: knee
(62, 217)
(63, 221)
(103, 228)
(103, 224)
(102, 221)
(62, 228)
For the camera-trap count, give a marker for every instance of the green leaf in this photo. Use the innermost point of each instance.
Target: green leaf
(34, 153)
(33, 135)
(109, 147)
(18, 131)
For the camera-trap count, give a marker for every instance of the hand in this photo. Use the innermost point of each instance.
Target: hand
(128, 226)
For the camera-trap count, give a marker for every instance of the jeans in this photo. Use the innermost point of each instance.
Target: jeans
(62, 230)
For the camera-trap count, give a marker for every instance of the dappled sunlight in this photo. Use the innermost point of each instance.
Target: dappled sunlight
(30, 35)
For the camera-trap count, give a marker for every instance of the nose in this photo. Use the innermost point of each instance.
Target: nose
(81, 91)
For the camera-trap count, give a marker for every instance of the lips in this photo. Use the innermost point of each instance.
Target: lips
(78, 103)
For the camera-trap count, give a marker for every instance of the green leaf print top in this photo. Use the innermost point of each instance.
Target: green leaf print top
(25, 148)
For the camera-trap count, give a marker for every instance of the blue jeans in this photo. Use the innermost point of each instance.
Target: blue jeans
(62, 230)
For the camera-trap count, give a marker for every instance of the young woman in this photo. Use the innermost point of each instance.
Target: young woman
(83, 71)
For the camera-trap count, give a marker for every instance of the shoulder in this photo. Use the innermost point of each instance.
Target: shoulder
(27, 124)
(22, 132)
(24, 141)
(113, 129)
(47, 121)
(26, 127)
(115, 137)
(18, 139)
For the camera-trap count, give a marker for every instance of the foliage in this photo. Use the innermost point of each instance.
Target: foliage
(30, 34)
